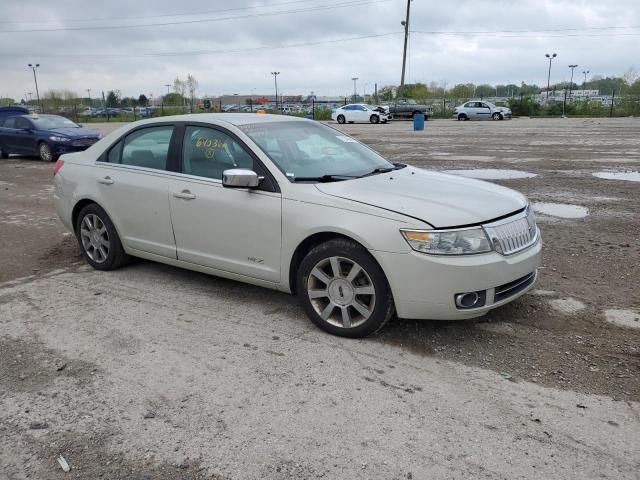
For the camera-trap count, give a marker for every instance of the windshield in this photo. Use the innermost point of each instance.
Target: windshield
(308, 149)
(52, 121)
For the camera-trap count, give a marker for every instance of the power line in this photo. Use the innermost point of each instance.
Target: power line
(182, 14)
(350, 3)
(497, 35)
(488, 32)
(197, 52)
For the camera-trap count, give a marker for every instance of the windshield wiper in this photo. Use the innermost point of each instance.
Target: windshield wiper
(396, 166)
(324, 178)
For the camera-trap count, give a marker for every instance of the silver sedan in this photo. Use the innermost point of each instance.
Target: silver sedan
(296, 206)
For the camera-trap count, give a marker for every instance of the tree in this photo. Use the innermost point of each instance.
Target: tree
(415, 90)
(386, 93)
(112, 99)
(485, 90)
(173, 99)
(143, 100)
(192, 85)
(7, 101)
(180, 88)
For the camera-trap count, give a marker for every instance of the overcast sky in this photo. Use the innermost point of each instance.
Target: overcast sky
(244, 49)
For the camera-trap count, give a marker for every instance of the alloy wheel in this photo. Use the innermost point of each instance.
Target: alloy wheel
(341, 292)
(45, 152)
(95, 238)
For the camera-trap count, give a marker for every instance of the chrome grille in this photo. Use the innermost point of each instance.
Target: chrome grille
(513, 234)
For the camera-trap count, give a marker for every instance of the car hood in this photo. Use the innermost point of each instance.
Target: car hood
(438, 199)
(74, 132)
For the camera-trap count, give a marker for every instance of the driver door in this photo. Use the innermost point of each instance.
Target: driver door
(228, 229)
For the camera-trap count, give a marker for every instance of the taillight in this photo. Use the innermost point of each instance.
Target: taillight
(57, 166)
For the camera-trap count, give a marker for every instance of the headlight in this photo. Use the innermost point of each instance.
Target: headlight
(448, 242)
(53, 138)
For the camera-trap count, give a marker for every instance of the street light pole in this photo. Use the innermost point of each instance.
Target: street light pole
(275, 79)
(550, 57)
(584, 85)
(35, 80)
(355, 94)
(89, 95)
(571, 81)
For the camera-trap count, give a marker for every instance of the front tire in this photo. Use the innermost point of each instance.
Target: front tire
(341, 119)
(343, 289)
(374, 119)
(496, 116)
(462, 117)
(3, 154)
(99, 240)
(46, 152)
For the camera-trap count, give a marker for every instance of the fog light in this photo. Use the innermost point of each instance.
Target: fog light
(471, 299)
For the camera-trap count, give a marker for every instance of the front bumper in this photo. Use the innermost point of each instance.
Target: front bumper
(69, 147)
(424, 286)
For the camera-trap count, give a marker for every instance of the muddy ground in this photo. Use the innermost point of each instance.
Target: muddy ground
(152, 372)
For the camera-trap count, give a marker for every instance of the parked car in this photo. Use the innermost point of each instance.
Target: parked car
(297, 206)
(47, 136)
(408, 108)
(481, 110)
(360, 112)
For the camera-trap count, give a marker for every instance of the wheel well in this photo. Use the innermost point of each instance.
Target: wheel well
(305, 247)
(77, 209)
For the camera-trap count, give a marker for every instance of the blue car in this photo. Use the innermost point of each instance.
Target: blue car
(46, 136)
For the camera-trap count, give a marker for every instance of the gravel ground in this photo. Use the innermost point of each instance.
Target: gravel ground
(151, 372)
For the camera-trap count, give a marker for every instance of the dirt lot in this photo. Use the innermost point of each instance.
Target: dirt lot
(152, 372)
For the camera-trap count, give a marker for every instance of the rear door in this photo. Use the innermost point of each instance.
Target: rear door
(133, 183)
(9, 135)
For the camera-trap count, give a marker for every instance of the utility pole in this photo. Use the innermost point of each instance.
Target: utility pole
(584, 85)
(89, 95)
(275, 79)
(405, 24)
(355, 94)
(550, 57)
(571, 81)
(35, 80)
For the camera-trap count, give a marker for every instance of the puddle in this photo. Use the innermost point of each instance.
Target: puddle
(561, 210)
(567, 306)
(491, 174)
(623, 318)
(628, 176)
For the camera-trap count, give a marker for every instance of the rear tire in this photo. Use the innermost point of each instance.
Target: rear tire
(99, 240)
(341, 119)
(343, 290)
(374, 119)
(3, 154)
(46, 153)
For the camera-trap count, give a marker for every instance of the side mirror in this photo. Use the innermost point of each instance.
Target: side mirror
(240, 178)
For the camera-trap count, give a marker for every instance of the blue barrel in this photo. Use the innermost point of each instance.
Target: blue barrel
(418, 121)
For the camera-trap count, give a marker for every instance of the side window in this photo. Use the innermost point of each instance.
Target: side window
(207, 152)
(23, 123)
(10, 123)
(147, 148)
(114, 153)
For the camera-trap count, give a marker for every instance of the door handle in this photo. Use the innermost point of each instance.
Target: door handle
(184, 194)
(106, 180)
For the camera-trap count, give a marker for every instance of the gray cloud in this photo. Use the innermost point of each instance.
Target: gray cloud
(325, 68)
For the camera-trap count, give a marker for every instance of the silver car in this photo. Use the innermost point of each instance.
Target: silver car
(481, 110)
(296, 206)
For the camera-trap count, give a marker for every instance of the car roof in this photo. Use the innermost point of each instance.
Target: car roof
(237, 119)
